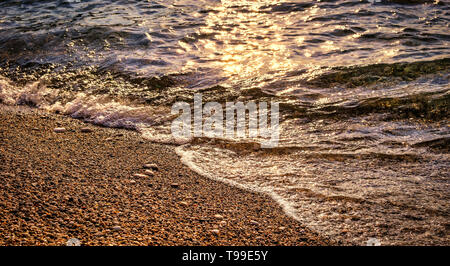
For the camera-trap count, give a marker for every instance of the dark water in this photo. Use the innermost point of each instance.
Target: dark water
(363, 88)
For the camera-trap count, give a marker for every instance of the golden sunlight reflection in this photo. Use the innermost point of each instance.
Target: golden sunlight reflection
(248, 43)
(247, 40)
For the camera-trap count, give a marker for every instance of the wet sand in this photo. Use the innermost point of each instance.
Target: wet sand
(74, 184)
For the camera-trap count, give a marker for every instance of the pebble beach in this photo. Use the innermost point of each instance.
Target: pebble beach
(62, 179)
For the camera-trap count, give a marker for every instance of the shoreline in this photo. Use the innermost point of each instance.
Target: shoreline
(74, 184)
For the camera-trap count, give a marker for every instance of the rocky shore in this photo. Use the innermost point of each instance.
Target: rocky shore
(61, 179)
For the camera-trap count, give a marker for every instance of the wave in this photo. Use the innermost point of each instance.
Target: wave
(347, 198)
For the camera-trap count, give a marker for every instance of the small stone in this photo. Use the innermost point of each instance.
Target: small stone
(116, 228)
(140, 175)
(218, 216)
(149, 172)
(151, 166)
(132, 181)
(184, 203)
(9, 174)
(73, 242)
(215, 231)
(223, 223)
(254, 222)
(59, 130)
(281, 228)
(174, 185)
(86, 130)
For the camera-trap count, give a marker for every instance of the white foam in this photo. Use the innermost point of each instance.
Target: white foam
(187, 158)
(31, 94)
(96, 109)
(342, 199)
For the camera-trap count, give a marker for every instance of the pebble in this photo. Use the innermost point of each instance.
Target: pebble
(218, 216)
(86, 130)
(184, 203)
(116, 228)
(281, 227)
(73, 242)
(140, 175)
(151, 166)
(149, 172)
(215, 231)
(254, 222)
(59, 130)
(174, 185)
(132, 181)
(223, 223)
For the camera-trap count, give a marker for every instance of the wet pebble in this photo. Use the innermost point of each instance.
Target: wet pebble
(218, 216)
(86, 130)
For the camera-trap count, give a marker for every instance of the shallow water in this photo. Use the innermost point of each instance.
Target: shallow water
(362, 85)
